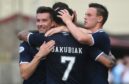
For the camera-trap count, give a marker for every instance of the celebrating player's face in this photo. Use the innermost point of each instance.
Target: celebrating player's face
(90, 19)
(43, 22)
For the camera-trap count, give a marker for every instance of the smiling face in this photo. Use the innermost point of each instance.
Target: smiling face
(43, 22)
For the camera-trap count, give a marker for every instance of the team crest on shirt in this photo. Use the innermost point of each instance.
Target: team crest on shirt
(21, 49)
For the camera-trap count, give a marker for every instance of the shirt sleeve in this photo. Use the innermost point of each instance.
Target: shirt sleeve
(95, 53)
(98, 37)
(102, 42)
(36, 39)
(24, 53)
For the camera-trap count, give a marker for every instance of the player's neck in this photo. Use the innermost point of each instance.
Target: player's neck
(96, 28)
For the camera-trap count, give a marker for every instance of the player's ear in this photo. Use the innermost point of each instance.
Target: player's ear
(99, 19)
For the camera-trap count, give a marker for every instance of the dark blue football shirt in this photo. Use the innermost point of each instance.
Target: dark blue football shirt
(96, 72)
(27, 54)
(66, 64)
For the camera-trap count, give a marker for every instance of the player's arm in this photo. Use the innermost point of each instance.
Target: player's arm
(106, 60)
(56, 30)
(28, 67)
(34, 39)
(63, 29)
(102, 41)
(79, 35)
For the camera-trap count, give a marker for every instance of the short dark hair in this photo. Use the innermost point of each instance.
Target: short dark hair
(44, 9)
(60, 6)
(101, 11)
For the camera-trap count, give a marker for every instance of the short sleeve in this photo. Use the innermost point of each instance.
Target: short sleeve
(98, 37)
(94, 53)
(36, 39)
(102, 41)
(24, 53)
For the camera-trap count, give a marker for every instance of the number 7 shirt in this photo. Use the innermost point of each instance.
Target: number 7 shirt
(65, 65)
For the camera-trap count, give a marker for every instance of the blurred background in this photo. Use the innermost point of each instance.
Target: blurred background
(17, 15)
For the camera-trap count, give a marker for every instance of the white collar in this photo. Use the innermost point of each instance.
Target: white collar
(99, 30)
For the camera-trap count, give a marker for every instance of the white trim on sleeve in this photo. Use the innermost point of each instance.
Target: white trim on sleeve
(28, 37)
(99, 55)
(93, 42)
(23, 62)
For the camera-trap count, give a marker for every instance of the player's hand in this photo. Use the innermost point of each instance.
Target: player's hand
(22, 35)
(65, 16)
(56, 30)
(46, 48)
